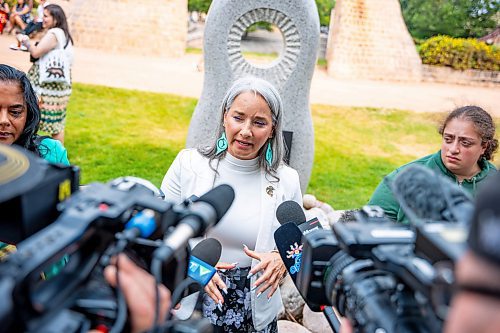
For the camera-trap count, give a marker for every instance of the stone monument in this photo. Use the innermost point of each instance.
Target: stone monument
(291, 73)
(145, 27)
(369, 40)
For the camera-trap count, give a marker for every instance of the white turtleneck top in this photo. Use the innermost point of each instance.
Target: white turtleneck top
(240, 225)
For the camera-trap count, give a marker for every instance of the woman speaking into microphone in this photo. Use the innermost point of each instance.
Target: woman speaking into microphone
(247, 153)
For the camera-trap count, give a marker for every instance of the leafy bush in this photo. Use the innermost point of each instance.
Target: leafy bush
(460, 53)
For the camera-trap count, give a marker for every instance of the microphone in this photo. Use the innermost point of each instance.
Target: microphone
(438, 209)
(290, 211)
(427, 196)
(288, 238)
(200, 216)
(204, 256)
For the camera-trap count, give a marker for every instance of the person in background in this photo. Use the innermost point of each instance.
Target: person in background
(20, 15)
(54, 96)
(19, 118)
(468, 145)
(246, 153)
(37, 23)
(4, 15)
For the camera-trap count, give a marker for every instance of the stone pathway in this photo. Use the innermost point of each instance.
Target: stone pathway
(180, 77)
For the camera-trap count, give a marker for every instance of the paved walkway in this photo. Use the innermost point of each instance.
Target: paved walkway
(180, 77)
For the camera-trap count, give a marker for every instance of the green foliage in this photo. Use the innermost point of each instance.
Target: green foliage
(259, 25)
(456, 18)
(324, 11)
(199, 5)
(460, 53)
(116, 132)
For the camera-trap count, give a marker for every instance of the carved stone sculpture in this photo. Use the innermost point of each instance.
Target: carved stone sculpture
(291, 73)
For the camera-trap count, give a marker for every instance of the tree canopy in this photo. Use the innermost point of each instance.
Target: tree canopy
(424, 18)
(456, 18)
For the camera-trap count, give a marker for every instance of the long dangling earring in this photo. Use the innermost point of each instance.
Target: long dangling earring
(269, 153)
(221, 143)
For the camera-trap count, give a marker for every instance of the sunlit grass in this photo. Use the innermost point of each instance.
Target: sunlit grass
(116, 132)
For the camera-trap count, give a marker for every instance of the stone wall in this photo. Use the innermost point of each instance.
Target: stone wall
(467, 77)
(369, 40)
(146, 27)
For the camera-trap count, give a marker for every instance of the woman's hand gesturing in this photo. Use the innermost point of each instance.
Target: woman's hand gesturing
(214, 287)
(273, 267)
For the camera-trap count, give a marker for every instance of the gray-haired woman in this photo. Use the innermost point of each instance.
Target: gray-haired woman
(247, 154)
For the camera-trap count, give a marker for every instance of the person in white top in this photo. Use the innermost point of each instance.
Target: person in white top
(54, 96)
(246, 153)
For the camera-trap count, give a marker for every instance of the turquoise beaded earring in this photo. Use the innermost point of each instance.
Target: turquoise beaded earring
(269, 154)
(221, 143)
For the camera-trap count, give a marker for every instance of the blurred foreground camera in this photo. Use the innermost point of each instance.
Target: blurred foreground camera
(384, 276)
(89, 227)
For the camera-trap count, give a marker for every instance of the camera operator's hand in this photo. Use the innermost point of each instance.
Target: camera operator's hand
(139, 290)
(346, 326)
(273, 267)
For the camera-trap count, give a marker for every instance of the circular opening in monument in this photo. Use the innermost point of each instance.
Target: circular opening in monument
(262, 44)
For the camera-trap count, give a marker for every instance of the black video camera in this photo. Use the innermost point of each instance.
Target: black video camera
(88, 227)
(380, 274)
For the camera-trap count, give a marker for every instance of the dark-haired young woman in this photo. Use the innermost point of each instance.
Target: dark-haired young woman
(54, 96)
(468, 145)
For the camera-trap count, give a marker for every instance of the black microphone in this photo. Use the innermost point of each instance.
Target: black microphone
(201, 269)
(425, 195)
(201, 215)
(204, 256)
(288, 238)
(438, 209)
(290, 211)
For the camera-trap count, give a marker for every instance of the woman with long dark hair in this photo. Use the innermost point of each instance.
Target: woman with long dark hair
(54, 96)
(20, 116)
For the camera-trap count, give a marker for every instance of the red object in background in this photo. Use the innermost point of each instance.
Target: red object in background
(3, 20)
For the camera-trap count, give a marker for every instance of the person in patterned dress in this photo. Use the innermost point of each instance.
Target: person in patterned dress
(54, 96)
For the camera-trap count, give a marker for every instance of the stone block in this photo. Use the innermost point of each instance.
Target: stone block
(315, 321)
(145, 27)
(369, 40)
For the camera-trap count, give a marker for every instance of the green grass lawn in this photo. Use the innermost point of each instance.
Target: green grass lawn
(116, 132)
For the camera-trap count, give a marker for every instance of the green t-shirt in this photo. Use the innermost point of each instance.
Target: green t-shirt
(384, 197)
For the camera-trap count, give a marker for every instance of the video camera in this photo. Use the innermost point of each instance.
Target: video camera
(385, 276)
(92, 225)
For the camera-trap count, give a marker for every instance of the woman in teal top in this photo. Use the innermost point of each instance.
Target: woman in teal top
(468, 145)
(19, 118)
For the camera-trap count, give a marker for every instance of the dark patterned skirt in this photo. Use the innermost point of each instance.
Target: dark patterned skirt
(54, 98)
(236, 313)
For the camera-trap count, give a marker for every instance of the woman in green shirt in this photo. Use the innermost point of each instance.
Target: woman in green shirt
(468, 145)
